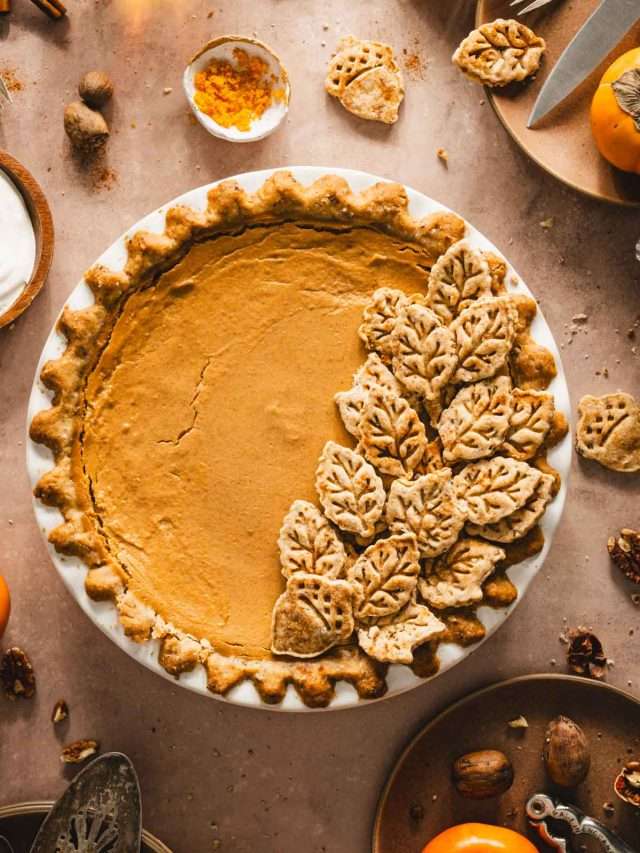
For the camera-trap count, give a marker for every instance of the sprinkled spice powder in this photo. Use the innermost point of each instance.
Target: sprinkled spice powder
(236, 95)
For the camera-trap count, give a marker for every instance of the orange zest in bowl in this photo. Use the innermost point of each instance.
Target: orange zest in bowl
(236, 95)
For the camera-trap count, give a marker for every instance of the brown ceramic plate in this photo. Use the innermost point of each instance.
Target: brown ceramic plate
(562, 143)
(419, 800)
(20, 823)
(42, 221)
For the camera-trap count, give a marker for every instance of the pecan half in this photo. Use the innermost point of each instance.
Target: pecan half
(585, 655)
(16, 674)
(60, 711)
(79, 751)
(625, 553)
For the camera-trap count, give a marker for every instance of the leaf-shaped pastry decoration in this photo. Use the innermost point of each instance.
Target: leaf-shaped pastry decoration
(309, 544)
(608, 431)
(351, 493)
(384, 578)
(459, 276)
(350, 405)
(529, 424)
(392, 640)
(312, 615)
(520, 522)
(484, 333)
(392, 436)
(432, 459)
(477, 420)
(456, 578)
(372, 374)
(424, 351)
(426, 507)
(500, 52)
(379, 318)
(490, 489)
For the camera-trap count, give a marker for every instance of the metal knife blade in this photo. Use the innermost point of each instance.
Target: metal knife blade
(100, 810)
(602, 31)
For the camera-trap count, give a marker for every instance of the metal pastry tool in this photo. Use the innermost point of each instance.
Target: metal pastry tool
(549, 817)
(98, 813)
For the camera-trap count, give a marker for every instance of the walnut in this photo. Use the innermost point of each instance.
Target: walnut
(625, 553)
(79, 751)
(95, 88)
(60, 711)
(585, 655)
(16, 674)
(86, 128)
(627, 784)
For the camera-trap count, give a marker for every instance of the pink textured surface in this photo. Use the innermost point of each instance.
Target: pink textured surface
(256, 780)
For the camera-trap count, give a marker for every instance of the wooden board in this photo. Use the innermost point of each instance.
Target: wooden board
(562, 143)
(420, 781)
(40, 213)
(20, 823)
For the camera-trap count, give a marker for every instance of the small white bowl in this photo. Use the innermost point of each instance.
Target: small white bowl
(222, 48)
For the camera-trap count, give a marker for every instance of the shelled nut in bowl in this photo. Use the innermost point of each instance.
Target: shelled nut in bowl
(252, 84)
(27, 226)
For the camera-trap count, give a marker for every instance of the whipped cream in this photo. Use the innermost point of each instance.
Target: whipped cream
(17, 243)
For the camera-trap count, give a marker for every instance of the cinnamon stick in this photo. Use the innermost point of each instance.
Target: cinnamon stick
(5, 7)
(53, 8)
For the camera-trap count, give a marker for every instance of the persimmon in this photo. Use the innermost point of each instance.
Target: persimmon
(615, 113)
(5, 605)
(479, 838)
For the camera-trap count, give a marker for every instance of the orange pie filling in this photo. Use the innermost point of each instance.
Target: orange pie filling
(210, 404)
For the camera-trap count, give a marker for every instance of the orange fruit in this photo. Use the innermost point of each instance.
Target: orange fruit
(5, 605)
(615, 113)
(479, 838)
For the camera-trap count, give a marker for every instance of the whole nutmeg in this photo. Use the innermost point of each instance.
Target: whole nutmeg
(95, 88)
(85, 127)
(566, 753)
(483, 774)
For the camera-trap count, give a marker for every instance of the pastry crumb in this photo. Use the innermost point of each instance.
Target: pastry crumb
(443, 155)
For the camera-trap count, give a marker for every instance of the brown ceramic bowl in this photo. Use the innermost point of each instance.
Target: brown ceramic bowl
(419, 801)
(20, 823)
(38, 208)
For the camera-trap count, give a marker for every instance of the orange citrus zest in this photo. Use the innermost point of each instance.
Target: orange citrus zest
(236, 95)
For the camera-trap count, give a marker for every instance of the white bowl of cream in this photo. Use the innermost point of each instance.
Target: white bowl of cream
(26, 238)
(17, 244)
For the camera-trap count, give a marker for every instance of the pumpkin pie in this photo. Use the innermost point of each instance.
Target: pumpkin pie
(196, 395)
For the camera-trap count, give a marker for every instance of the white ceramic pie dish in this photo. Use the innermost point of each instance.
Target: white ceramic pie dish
(104, 614)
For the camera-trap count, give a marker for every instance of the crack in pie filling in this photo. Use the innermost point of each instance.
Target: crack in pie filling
(195, 397)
